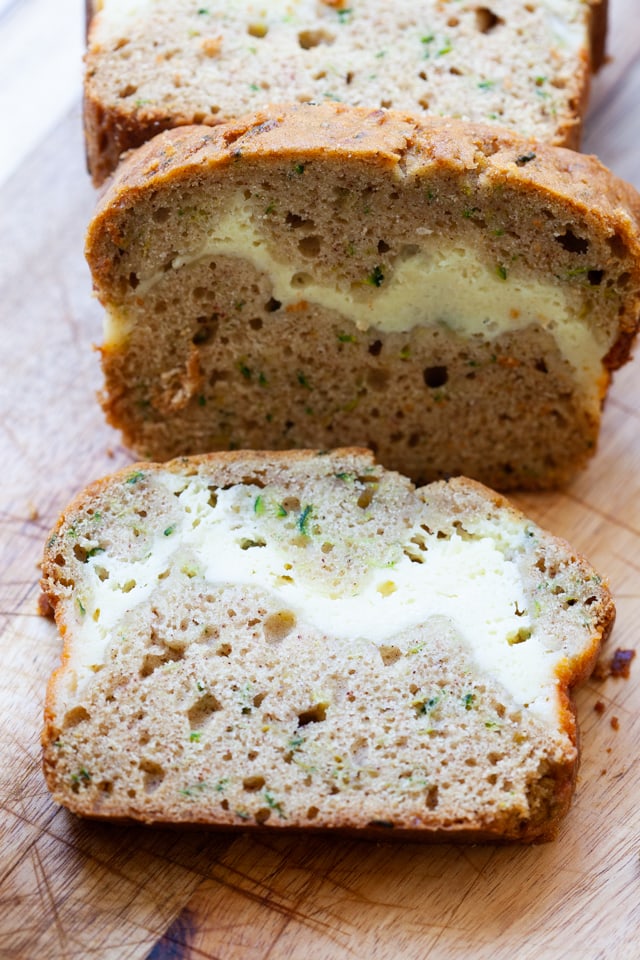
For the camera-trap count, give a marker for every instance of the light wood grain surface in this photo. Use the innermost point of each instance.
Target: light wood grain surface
(71, 889)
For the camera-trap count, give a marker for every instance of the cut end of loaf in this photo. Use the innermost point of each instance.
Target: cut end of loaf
(307, 641)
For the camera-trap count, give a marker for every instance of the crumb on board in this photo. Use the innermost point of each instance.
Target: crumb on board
(621, 663)
(599, 707)
(44, 607)
(615, 723)
(618, 665)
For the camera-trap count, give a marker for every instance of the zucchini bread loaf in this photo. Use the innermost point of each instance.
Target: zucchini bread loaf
(151, 66)
(305, 640)
(450, 295)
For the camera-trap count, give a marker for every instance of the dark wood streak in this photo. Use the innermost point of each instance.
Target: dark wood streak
(174, 944)
(177, 941)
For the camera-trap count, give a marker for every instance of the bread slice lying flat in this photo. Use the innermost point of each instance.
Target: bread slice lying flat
(151, 66)
(452, 296)
(305, 640)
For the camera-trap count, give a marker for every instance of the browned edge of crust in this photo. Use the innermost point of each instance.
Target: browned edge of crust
(110, 134)
(592, 59)
(89, 13)
(570, 676)
(331, 129)
(598, 32)
(381, 832)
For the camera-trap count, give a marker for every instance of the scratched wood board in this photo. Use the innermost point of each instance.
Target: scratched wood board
(74, 889)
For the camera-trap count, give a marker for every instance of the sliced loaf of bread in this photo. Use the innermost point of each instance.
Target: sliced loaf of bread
(450, 295)
(151, 66)
(307, 641)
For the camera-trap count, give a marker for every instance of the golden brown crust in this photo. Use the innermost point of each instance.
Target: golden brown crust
(595, 58)
(598, 32)
(380, 832)
(384, 139)
(110, 134)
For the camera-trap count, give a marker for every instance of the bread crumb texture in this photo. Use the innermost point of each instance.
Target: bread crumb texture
(452, 296)
(151, 66)
(306, 641)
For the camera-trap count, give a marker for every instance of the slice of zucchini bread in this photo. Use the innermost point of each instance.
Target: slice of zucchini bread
(154, 65)
(305, 640)
(450, 295)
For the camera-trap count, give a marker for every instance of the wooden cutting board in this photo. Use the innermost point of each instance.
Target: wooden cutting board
(70, 889)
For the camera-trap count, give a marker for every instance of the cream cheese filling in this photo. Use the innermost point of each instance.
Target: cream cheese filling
(435, 285)
(470, 582)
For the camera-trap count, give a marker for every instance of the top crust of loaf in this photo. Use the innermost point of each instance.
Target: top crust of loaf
(383, 138)
(525, 66)
(158, 780)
